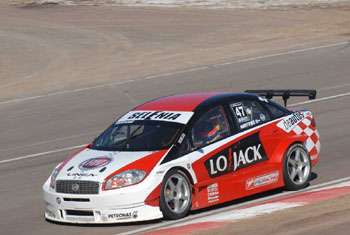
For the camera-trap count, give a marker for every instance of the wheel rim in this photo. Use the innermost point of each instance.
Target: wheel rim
(298, 166)
(177, 193)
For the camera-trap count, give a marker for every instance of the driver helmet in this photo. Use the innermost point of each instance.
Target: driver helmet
(210, 131)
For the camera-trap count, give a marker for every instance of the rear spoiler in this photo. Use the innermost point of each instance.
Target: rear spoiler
(284, 93)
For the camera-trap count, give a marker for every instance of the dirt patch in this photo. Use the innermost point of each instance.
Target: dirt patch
(326, 217)
(53, 48)
(208, 4)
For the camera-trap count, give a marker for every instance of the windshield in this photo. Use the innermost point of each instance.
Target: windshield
(138, 136)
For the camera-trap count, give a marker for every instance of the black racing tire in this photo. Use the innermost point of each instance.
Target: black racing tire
(175, 195)
(296, 167)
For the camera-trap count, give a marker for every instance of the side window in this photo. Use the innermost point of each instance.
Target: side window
(249, 113)
(210, 127)
(276, 112)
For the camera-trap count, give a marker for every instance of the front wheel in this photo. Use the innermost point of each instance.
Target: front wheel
(176, 195)
(296, 167)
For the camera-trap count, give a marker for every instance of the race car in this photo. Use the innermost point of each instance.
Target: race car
(185, 152)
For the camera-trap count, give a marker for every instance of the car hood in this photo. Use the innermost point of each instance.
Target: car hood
(96, 165)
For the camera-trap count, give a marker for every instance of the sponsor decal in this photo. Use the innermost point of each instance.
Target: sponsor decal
(288, 123)
(157, 115)
(250, 151)
(240, 113)
(93, 163)
(182, 137)
(262, 180)
(249, 111)
(123, 216)
(170, 116)
(134, 214)
(250, 124)
(82, 174)
(262, 117)
(213, 192)
(247, 156)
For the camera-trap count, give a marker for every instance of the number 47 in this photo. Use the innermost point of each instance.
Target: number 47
(240, 112)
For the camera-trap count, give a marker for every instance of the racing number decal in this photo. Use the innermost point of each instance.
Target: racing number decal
(251, 152)
(240, 112)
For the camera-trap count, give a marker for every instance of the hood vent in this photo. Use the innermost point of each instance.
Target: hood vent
(70, 168)
(103, 169)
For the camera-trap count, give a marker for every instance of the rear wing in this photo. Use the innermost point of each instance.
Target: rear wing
(284, 93)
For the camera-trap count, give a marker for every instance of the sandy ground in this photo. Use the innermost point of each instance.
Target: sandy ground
(322, 218)
(52, 48)
(213, 4)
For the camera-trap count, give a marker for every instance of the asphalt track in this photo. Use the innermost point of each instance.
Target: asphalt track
(57, 122)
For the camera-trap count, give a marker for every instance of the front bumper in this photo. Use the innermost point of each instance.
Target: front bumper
(111, 207)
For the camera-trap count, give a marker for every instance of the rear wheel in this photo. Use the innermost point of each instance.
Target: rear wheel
(296, 167)
(176, 195)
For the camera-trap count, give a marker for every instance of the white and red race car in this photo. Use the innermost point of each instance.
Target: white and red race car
(185, 152)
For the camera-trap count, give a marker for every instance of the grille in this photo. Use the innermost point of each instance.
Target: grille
(77, 187)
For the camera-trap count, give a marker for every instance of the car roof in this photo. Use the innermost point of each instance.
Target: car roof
(190, 102)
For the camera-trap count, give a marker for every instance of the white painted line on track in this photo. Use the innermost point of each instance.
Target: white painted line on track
(171, 73)
(321, 99)
(282, 53)
(89, 134)
(41, 154)
(333, 87)
(190, 218)
(102, 86)
(80, 146)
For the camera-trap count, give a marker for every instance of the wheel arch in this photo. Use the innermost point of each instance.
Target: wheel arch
(281, 149)
(184, 170)
(289, 183)
(155, 194)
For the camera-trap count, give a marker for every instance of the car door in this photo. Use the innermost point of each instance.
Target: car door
(256, 144)
(248, 115)
(204, 140)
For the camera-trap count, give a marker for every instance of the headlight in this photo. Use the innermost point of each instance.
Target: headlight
(54, 175)
(125, 178)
